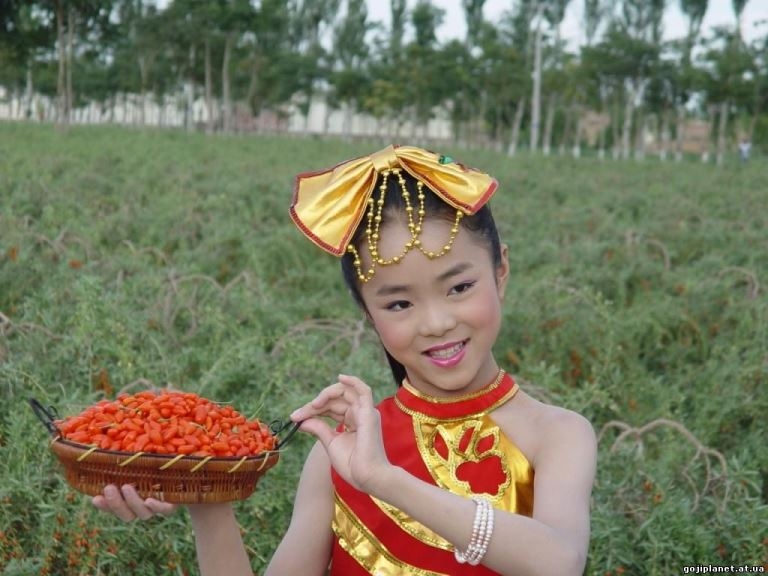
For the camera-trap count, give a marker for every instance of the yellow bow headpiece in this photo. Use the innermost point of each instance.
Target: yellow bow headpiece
(328, 205)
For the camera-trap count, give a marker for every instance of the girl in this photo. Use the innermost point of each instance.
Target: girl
(460, 472)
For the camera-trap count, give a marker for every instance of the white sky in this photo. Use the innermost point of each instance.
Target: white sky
(720, 12)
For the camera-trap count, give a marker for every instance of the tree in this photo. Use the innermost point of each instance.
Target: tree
(595, 12)
(635, 42)
(694, 11)
(738, 10)
(515, 29)
(425, 19)
(594, 17)
(349, 81)
(23, 39)
(71, 20)
(505, 80)
(729, 77)
(310, 21)
(137, 47)
(473, 15)
(554, 12)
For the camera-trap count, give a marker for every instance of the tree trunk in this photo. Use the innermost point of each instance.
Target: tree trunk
(601, 145)
(143, 81)
(327, 118)
(577, 137)
(347, 128)
(70, 100)
(308, 113)
(548, 123)
(626, 133)
(680, 133)
(257, 63)
(642, 127)
(516, 123)
(567, 129)
(615, 133)
(161, 111)
(664, 136)
(61, 90)
(536, 96)
(225, 85)
(14, 106)
(712, 111)
(189, 92)
(305, 130)
(498, 143)
(721, 139)
(29, 94)
(208, 87)
(479, 119)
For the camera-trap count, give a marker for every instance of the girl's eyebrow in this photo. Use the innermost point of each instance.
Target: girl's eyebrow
(390, 289)
(455, 270)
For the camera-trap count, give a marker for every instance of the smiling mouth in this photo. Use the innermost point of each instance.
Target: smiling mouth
(446, 352)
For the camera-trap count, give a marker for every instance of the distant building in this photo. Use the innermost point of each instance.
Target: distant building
(696, 137)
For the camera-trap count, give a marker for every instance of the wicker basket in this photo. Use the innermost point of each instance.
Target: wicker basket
(178, 479)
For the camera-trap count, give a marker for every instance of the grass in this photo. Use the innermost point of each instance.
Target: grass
(138, 258)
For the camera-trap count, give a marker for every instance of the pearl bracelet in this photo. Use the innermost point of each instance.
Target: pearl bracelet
(482, 528)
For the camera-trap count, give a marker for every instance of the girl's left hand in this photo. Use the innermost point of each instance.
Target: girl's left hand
(357, 451)
(125, 503)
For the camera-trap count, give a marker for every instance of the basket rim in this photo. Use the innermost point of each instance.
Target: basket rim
(95, 450)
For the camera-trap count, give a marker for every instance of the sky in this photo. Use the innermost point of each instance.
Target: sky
(720, 12)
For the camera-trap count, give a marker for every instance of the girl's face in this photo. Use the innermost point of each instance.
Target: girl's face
(439, 318)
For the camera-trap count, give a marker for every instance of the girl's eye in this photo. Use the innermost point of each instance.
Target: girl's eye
(397, 306)
(461, 288)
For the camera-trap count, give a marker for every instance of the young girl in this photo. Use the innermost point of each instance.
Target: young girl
(460, 472)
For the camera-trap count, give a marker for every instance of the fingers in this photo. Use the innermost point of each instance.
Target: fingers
(319, 430)
(362, 391)
(126, 504)
(336, 400)
(340, 402)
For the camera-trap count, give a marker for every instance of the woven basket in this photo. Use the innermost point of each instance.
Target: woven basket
(178, 479)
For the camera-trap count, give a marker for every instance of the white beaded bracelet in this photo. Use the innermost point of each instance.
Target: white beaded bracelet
(482, 528)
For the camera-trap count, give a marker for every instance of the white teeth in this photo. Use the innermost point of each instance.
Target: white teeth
(446, 352)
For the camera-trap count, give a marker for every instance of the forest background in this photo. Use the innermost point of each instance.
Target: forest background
(324, 66)
(133, 258)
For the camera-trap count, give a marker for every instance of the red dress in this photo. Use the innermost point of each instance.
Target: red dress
(453, 444)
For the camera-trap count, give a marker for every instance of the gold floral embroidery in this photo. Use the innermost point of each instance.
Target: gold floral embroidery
(444, 463)
(514, 494)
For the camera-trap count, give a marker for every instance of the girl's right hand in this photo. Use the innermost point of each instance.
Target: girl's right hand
(355, 449)
(126, 504)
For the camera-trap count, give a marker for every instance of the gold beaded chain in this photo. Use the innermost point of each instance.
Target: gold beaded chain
(373, 225)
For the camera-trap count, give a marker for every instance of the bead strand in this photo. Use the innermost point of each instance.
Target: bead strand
(373, 225)
(482, 529)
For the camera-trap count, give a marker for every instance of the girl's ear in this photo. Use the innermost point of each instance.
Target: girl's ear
(502, 271)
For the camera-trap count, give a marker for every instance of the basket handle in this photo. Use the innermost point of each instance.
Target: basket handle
(46, 415)
(278, 426)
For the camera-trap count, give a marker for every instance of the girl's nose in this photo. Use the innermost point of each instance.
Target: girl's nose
(436, 320)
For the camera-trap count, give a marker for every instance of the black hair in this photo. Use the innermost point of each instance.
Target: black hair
(480, 224)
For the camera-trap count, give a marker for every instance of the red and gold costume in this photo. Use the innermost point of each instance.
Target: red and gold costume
(452, 443)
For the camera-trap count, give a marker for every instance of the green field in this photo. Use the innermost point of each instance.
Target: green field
(639, 297)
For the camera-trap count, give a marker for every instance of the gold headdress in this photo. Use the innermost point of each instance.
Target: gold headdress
(329, 205)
